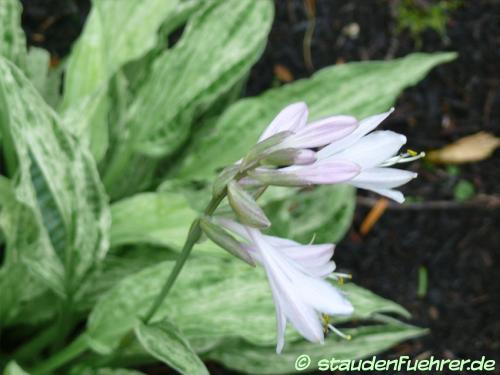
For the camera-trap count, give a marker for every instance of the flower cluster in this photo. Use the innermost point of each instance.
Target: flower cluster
(290, 152)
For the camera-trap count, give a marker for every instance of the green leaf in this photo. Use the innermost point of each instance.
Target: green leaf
(165, 342)
(19, 288)
(324, 213)
(154, 218)
(12, 38)
(358, 89)
(83, 370)
(47, 81)
(215, 297)
(241, 28)
(117, 265)
(13, 368)
(185, 81)
(366, 341)
(64, 206)
(101, 51)
(367, 304)
(138, 71)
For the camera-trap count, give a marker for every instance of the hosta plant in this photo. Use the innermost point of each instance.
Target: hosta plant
(130, 176)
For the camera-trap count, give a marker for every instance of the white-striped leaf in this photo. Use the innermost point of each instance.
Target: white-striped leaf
(366, 341)
(12, 38)
(215, 297)
(184, 83)
(116, 32)
(153, 218)
(84, 370)
(165, 342)
(56, 184)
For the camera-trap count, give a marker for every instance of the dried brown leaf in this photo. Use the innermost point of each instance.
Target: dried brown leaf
(469, 149)
(283, 73)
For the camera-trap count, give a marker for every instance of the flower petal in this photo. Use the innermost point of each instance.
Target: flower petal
(316, 292)
(365, 126)
(308, 255)
(373, 149)
(233, 226)
(291, 118)
(395, 195)
(323, 172)
(302, 316)
(280, 327)
(379, 177)
(322, 132)
(322, 271)
(322, 296)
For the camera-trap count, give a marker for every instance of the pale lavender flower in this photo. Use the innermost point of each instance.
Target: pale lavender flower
(351, 155)
(296, 276)
(293, 119)
(373, 153)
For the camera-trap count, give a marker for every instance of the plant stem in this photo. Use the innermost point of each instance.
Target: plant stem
(64, 325)
(31, 348)
(73, 350)
(193, 236)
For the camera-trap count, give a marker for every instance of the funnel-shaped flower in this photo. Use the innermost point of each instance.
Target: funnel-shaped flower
(296, 276)
(373, 153)
(293, 118)
(351, 155)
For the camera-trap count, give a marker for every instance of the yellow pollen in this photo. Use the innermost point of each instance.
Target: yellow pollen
(326, 319)
(412, 152)
(348, 337)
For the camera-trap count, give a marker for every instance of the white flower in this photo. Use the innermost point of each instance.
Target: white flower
(351, 154)
(373, 153)
(296, 276)
(293, 118)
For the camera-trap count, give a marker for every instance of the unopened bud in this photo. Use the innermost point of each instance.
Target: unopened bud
(323, 172)
(262, 149)
(221, 181)
(277, 178)
(245, 207)
(222, 238)
(290, 156)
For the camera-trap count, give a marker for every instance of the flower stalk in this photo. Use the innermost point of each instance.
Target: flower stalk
(194, 235)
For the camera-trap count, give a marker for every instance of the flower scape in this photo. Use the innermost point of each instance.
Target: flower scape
(292, 152)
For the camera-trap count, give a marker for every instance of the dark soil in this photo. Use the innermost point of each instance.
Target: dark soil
(458, 245)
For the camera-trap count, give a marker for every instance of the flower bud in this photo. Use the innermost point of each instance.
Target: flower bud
(245, 207)
(226, 241)
(290, 156)
(323, 172)
(262, 149)
(221, 181)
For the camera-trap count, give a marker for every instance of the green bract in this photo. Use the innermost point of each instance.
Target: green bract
(88, 235)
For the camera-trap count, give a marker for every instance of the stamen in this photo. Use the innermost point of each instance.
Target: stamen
(312, 239)
(338, 333)
(325, 319)
(406, 157)
(339, 276)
